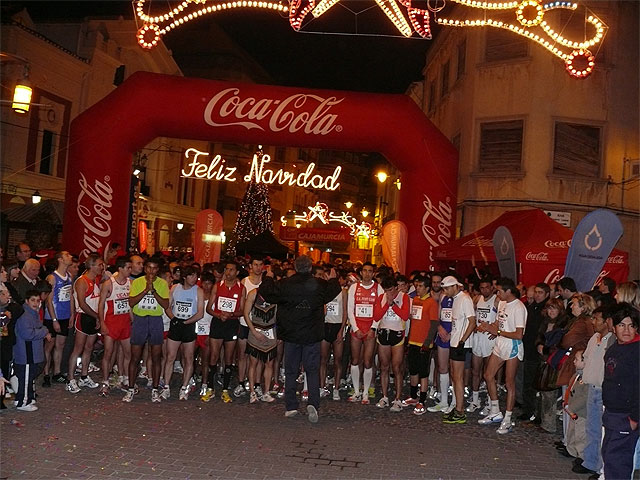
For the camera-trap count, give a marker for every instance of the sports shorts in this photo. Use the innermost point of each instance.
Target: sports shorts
(390, 338)
(202, 341)
(447, 326)
(418, 361)
(227, 331)
(482, 345)
(331, 331)
(119, 326)
(86, 324)
(179, 332)
(371, 333)
(508, 348)
(243, 332)
(147, 328)
(64, 327)
(459, 353)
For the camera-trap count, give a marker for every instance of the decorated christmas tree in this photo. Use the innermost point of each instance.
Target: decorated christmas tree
(254, 216)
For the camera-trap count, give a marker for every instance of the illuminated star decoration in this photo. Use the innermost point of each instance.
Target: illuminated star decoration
(320, 211)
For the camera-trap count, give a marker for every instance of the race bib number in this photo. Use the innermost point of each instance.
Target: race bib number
(332, 308)
(202, 330)
(64, 294)
(226, 304)
(148, 302)
(483, 315)
(120, 306)
(364, 310)
(446, 314)
(270, 334)
(416, 312)
(182, 309)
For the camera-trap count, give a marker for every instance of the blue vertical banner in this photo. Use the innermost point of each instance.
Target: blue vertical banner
(592, 242)
(505, 253)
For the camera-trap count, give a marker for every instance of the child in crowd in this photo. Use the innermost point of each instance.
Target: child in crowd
(28, 351)
(575, 404)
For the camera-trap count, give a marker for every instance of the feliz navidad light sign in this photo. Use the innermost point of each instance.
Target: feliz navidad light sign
(217, 169)
(528, 21)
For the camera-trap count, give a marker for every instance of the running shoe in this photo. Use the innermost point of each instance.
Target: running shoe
(355, 398)
(59, 378)
(491, 418)
(505, 427)
(128, 397)
(300, 378)
(365, 399)
(225, 397)
(155, 396)
(184, 393)
(313, 414)
(166, 393)
(87, 382)
(149, 383)
(383, 403)
(208, 395)
(267, 398)
(419, 409)
(438, 407)
(104, 389)
(143, 373)
(73, 387)
(93, 367)
(177, 367)
(281, 392)
(46, 381)
(450, 408)
(432, 393)
(258, 390)
(324, 392)
(483, 387)
(203, 390)
(239, 391)
(305, 396)
(486, 410)
(396, 406)
(336, 394)
(467, 392)
(409, 401)
(473, 407)
(454, 417)
(290, 413)
(253, 398)
(275, 389)
(30, 407)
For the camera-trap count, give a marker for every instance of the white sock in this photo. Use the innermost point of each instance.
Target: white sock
(453, 397)
(355, 378)
(507, 416)
(495, 406)
(367, 375)
(304, 374)
(444, 389)
(476, 398)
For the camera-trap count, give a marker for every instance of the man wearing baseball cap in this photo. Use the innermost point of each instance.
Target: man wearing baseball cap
(463, 322)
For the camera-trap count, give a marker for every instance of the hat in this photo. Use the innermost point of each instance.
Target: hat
(450, 281)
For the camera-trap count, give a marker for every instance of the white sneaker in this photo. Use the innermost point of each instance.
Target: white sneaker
(505, 427)
(73, 387)
(432, 393)
(184, 393)
(491, 418)
(203, 390)
(336, 394)
(355, 398)
(313, 414)
(473, 407)
(30, 407)
(450, 408)
(239, 391)
(253, 398)
(266, 397)
(165, 394)
(128, 397)
(93, 367)
(324, 392)
(438, 407)
(155, 396)
(486, 410)
(258, 390)
(87, 382)
(177, 367)
(383, 403)
(396, 406)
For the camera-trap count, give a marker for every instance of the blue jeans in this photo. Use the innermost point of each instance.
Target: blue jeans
(619, 445)
(593, 429)
(309, 356)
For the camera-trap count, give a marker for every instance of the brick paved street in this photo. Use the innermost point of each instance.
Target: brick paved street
(85, 436)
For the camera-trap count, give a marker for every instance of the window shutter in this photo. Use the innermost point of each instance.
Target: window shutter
(576, 150)
(501, 146)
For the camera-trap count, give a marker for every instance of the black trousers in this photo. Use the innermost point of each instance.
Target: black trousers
(530, 367)
(26, 374)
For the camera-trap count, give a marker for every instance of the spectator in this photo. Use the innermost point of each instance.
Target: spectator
(628, 292)
(607, 287)
(566, 290)
(27, 279)
(22, 252)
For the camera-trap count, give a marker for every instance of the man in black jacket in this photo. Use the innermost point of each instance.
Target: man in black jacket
(300, 324)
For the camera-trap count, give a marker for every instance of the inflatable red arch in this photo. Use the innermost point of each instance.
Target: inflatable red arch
(147, 105)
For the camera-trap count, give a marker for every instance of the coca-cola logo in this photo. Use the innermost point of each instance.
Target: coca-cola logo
(436, 223)
(553, 276)
(615, 259)
(299, 112)
(92, 206)
(537, 257)
(558, 244)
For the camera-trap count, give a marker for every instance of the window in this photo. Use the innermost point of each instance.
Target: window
(47, 152)
(504, 45)
(118, 76)
(577, 150)
(432, 96)
(501, 147)
(185, 191)
(444, 80)
(281, 154)
(462, 59)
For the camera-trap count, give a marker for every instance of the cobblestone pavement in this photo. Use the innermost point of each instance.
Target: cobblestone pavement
(84, 436)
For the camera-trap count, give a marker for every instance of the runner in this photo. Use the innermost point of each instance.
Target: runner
(226, 304)
(59, 310)
(115, 322)
(509, 329)
(86, 292)
(148, 298)
(361, 298)
(335, 321)
(442, 342)
(392, 310)
(186, 307)
(203, 328)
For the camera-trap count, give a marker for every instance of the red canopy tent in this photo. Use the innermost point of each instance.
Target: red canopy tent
(541, 246)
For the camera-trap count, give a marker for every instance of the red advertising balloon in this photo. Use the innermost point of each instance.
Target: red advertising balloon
(208, 242)
(394, 244)
(148, 105)
(143, 236)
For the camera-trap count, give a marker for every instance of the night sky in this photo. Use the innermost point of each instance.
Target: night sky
(326, 54)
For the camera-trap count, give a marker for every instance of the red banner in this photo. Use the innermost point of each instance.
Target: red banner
(105, 137)
(315, 234)
(394, 245)
(208, 241)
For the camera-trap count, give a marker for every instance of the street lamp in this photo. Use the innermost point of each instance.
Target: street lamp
(180, 225)
(348, 205)
(36, 197)
(22, 93)
(382, 176)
